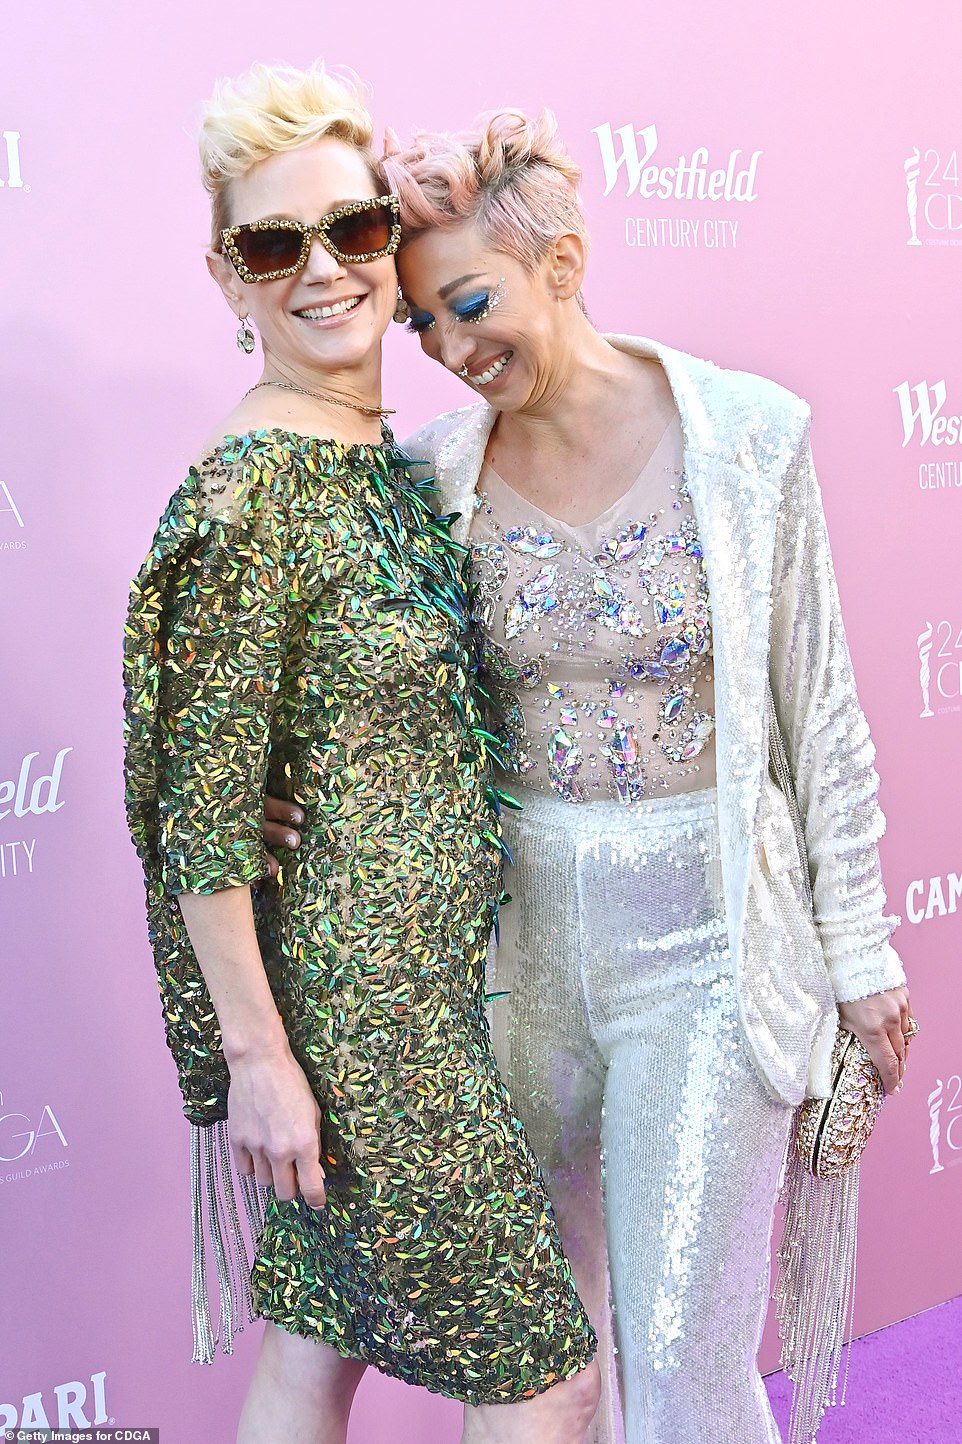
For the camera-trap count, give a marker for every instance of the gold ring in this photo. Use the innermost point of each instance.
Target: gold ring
(911, 1030)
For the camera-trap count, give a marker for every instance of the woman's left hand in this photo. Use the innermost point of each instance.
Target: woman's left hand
(882, 1023)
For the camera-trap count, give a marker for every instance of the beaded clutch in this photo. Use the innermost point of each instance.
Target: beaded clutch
(830, 1133)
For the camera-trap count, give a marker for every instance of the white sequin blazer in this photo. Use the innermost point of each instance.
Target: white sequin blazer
(775, 613)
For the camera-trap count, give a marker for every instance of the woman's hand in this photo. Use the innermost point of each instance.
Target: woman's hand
(882, 1023)
(272, 1117)
(278, 829)
(274, 1125)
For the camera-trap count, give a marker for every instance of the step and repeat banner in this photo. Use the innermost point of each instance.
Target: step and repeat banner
(776, 188)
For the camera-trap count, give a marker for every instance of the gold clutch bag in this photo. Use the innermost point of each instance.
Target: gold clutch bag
(830, 1133)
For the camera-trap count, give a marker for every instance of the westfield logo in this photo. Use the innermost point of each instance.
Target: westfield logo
(689, 178)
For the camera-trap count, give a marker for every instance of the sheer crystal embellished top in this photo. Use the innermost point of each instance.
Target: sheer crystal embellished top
(597, 637)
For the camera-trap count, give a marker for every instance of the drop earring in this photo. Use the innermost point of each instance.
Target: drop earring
(401, 311)
(246, 340)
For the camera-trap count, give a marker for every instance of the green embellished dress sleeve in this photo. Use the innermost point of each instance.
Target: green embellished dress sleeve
(207, 634)
(226, 641)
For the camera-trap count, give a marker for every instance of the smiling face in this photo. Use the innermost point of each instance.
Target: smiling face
(330, 317)
(484, 316)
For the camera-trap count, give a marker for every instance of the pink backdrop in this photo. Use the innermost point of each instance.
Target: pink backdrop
(828, 255)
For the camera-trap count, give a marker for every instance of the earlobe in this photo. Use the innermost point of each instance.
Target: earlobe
(224, 274)
(567, 266)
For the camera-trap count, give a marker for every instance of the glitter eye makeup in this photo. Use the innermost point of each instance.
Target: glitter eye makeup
(474, 308)
(419, 321)
(479, 305)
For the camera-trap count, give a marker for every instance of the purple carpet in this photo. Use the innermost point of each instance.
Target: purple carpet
(904, 1385)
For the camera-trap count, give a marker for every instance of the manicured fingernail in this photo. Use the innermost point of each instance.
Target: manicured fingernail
(297, 817)
(291, 840)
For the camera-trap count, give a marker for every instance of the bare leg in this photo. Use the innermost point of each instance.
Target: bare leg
(558, 1416)
(300, 1393)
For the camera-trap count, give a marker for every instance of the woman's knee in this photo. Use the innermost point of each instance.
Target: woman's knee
(582, 1393)
(559, 1415)
(313, 1370)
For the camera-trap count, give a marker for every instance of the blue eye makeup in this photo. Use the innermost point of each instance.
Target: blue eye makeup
(479, 305)
(419, 321)
(473, 308)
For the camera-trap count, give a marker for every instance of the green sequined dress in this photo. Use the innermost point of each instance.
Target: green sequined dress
(300, 625)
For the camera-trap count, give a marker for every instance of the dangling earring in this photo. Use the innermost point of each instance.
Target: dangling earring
(401, 310)
(246, 340)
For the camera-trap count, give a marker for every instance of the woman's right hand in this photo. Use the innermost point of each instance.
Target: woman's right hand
(274, 1126)
(279, 828)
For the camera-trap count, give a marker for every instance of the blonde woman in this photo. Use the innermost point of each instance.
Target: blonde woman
(301, 620)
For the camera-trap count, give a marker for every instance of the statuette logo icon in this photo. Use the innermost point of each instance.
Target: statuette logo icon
(913, 169)
(945, 1123)
(925, 671)
(935, 1130)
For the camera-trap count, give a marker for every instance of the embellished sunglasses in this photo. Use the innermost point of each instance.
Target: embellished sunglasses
(272, 249)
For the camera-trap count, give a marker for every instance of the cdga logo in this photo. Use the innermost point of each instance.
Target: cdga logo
(71, 1404)
(933, 198)
(20, 1133)
(940, 667)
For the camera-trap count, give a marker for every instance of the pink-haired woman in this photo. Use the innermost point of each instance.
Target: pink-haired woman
(649, 555)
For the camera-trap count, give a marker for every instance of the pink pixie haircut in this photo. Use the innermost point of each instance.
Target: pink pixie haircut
(510, 176)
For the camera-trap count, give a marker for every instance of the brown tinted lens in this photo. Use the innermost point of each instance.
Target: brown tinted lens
(275, 248)
(362, 234)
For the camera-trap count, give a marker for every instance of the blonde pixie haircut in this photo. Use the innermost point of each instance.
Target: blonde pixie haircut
(510, 175)
(274, 108)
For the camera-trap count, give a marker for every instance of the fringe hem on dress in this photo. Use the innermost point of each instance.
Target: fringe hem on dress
(815, 1292)
(216, 1228)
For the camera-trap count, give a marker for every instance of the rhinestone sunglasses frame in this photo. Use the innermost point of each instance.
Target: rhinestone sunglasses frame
(308, 233)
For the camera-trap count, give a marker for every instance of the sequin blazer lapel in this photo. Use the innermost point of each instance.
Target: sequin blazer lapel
(736, 506)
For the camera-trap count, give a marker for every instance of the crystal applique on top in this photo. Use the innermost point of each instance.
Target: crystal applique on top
(597, 637)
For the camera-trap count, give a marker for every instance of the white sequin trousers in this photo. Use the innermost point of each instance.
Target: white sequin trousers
(619, 1040)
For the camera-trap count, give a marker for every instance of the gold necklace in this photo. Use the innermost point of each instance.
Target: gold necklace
(381, 411)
